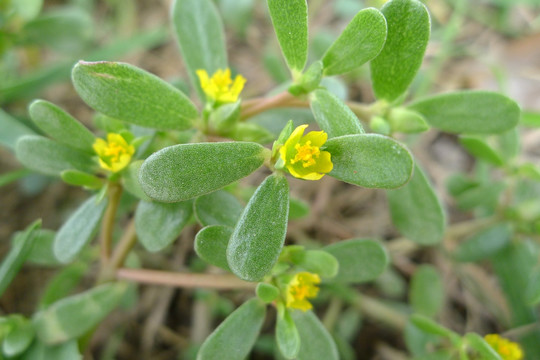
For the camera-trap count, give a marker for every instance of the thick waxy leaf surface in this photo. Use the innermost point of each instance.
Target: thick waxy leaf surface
(159, 224)
(199, 31)
(19, 338)
(333, 116)
(473, 112)
(182, 172)
(360, 260)
(12, 130)
(61, 126)
(315, 341)
(73, 316)
(218, 208)
(211, 245)
(78, 230)
(133, 95)
(361, 41)
(426, 294)
(408, 33)
(42, 249)
(416, 211)
(484, 244)
(287, 336)
(290, 20)
(234, 337)
(369, 160)
(65, 351)
(258, 237)
(49, 157)
(16, 256)
(316, 261)
(481, 150)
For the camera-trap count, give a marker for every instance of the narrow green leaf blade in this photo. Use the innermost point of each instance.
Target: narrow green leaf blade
(426, 293)
(218, 208)
(315, 341)
(290, 20)
(211, 245)
(73, 316)
(259, 235)
(481, 150)
(472, 112)
(199, 31)
(360, 260)
(484, 244)
(159, 224)
(408, 34)
(370, 160)
(287, 336)
(127, 93)
(79, 229)
(333, 116)
(185, 171)
(361, 41)
(79, 178)
(482, 347)
(42, 249)
(61, 126)
(49, 157)
(234, 337)
(17, 255)
(416, 211)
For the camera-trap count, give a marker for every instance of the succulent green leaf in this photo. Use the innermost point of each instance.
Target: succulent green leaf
(360, 260)
(361, 41)
(370, 160)
(64, 351)
(211, 244)
(218, 208)
(26, 9)
(259, 235)
(315, 341)
(416, 211)
(426, 294)
(79, 229)
(290, 20)
(185, 171)
(333, 116)
(298, 209)
(130, 180)
(199, 31)
(73, 316)
(478, 343)
(234, 337)
(127, 93)
(49, 157)
(63, 283)
(159, 224)
(473, 112)
(480, 149)
(393, 70)
(267, 292)
(316, 261)
(406, 121)
(12, 130)
(431, 327)
(16, 256)
(42, 249)
(79, 178)
(484, 244)
(287, 336)
(532, 292)
(61, 126)
(309, 80)
(19, 338)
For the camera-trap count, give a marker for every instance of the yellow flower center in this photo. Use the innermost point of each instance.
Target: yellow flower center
(115, 153)
(507, 349)
(306, 153)
(301, 287)
(220, 87)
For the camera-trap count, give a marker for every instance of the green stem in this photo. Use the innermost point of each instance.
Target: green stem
(256, 106)
(114, 193)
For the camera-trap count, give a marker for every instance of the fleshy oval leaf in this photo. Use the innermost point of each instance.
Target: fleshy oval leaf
(315, 341)
(218, 208)
(185, 171)
(332, 115)
(370, 160)
(211, 245)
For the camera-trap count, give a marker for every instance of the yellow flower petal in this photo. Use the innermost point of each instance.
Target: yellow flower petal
(507, 349)
(220, 87)
(113, 154)
(301, 287)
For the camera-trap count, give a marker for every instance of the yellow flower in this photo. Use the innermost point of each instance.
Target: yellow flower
(220, 87)
(302, 155)
(507, 349)
(301, 287)
(115, 153)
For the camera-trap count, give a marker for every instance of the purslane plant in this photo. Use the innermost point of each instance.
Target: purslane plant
(159, 152)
